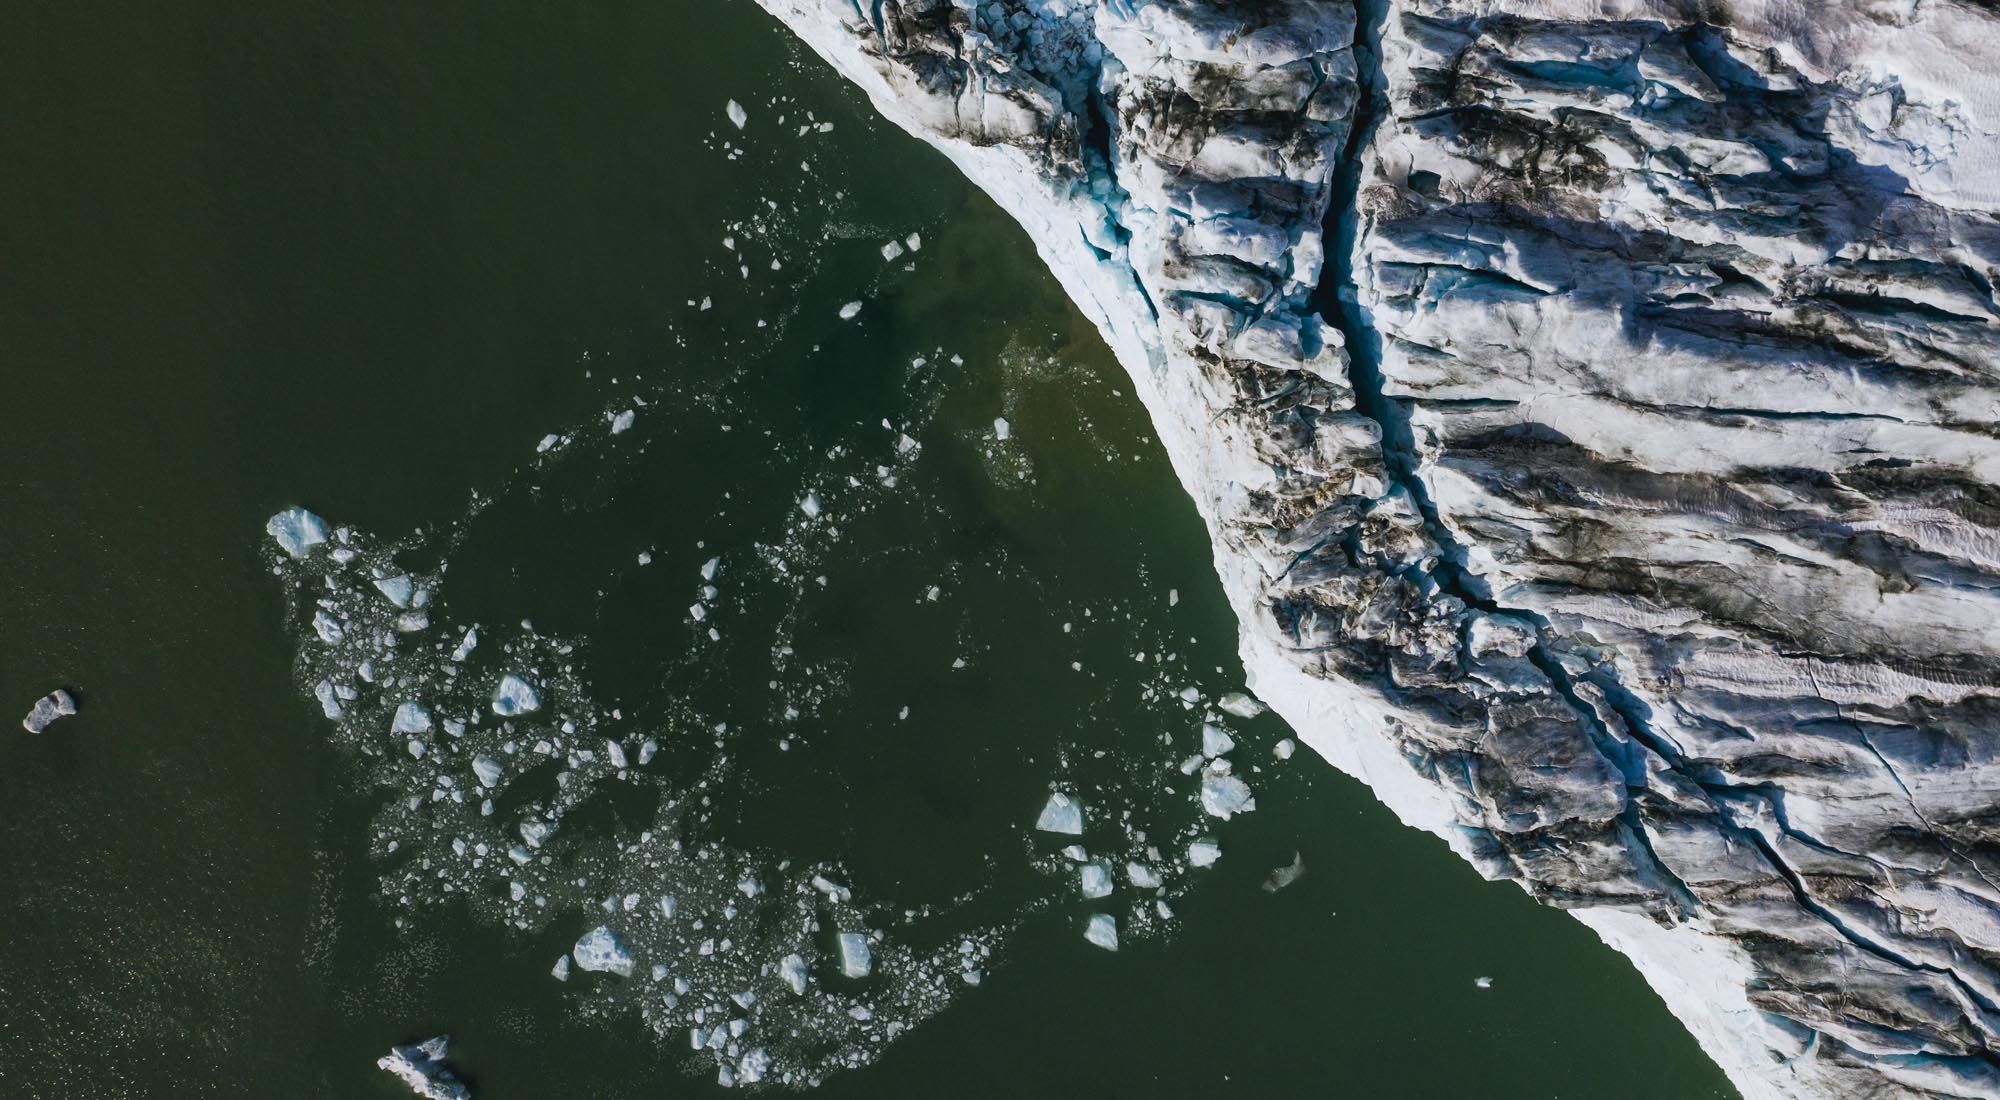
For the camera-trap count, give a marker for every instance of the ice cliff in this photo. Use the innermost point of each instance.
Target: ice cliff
(1592, 405)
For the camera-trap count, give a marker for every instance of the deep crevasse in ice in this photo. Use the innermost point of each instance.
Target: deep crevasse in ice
(1618, 499)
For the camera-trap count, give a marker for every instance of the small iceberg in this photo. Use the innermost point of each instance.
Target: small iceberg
(855, 960)
(421, 1066)
(1095, 879)
(514, 696)
(297, 531)
(738, 117)
(1102, 931)
(1061, 814)
(411, 717)
(601, 951)
(56, 704)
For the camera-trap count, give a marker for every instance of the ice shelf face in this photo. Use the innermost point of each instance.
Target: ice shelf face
(1591, 405)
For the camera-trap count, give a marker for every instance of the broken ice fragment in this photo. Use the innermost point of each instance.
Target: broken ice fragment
(411, 717)
(1002, 429)
(1240, 705)
(488, 770)
(1282, 877)
(1204, 852)
(514, 696)
(1284, 748)
(1062, 814)
(56, 704)
(601, 950)
(1224, 795)
(1142, 876)
(1483, 982)
(1095, 879)
(560, 971)
(810, 505)
(892, 251)
(622, 422)
(848, 311)
(396, 590)
(421, 1066)
(1215, 741)
(854, 957)
(297, 531)
(466, 646)
(1102, 931)
(738, 117)
(329, 703)
(792, 969)
(416, 749)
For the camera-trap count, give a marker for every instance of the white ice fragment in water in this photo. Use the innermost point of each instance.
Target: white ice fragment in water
(892, 251)
(488, 770)
(645, 557)
(56, 704)
(1223, 795)
(1002, 429)
(1282, 877)
(1173, 597)
(1102, 931)
(810, 505)
(750, 886)
(416, 748)
(411, 717)
(561, 969)
(421, 1067)
(1240, 705)
(514, 696)
(1094, 879)
(1075, 852)
(646, 751)
(854, 958)
(709, 568)
(329, 703)
(1142, 876)
(297, 531)
(615, 753)
(1061, 814)
(792, 969)
(1204, 852)
(1215, 741)
(915, 241)
(1284, 748)
(1483, 982)
(327, 627)
(395, 589)
(548, 441)
(600, 950)
(621, 422)
(738, 117)
(848, 311)
(467, 645)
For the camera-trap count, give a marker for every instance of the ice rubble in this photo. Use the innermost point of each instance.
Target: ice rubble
(1590, 407)
(54, 705)
(422, 1067)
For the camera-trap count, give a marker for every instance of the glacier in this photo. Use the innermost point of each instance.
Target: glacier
(1591, 406)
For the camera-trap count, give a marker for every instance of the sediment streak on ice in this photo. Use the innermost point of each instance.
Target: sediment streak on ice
(1619, 500)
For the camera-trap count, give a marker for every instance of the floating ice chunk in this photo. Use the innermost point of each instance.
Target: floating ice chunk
(892, 251)
(753, 1067)
(1483, 982)
(560, 971)
(1215, 741)
(1173, 597)
(810, 505)
(1282, 877)
(396, 590)
(600, 950)
(467, 645)
(1240, 705)
(646, 751)
(709, 568)
(792, 969)
(1142, 876)
(548, 441)
(416, 748)
(56, 704)
(534, 830)
(329, 703)
(1061, 814)
(1223, 795)
(738, 117)
(1075, 852)
(514, 696)
(1094, 878)
(854, 957)
(615, 753)
(421, 1066)
(327, 627)
(488, 770)
(1204, 852)
(1102, 931)
(645, 557)
(848, 311)
(1001, 429)
(1284, 749)
(750, 887)
(297, 531)
(621, 422)
(411, 717)
(412, 621)
(915, 241)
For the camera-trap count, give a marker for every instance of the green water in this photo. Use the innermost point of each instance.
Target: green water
(363, 260)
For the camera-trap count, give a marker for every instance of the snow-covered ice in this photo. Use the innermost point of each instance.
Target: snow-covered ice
(1061, 814)
(54, 705)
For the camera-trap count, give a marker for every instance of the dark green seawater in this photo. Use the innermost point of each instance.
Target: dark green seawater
(362, 257)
